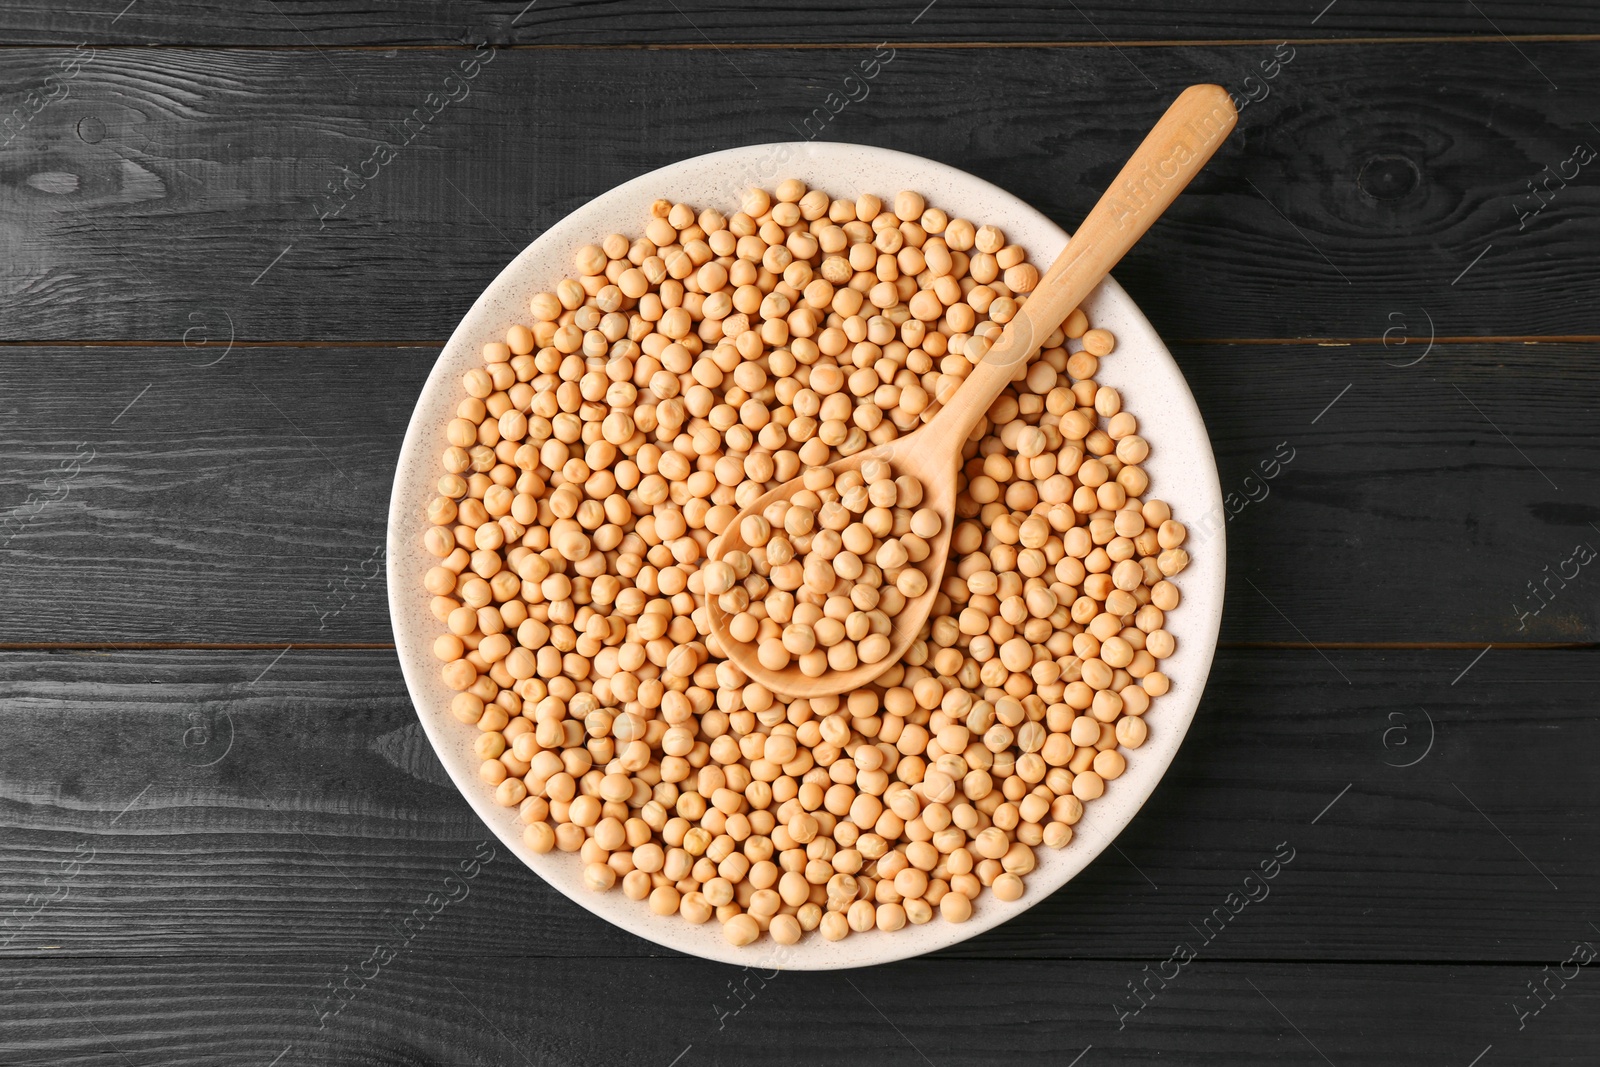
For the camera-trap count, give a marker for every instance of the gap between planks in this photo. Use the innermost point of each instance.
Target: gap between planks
(702, 46)
(942, 959)
(201, 646)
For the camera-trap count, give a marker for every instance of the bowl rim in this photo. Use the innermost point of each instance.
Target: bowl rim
(1199, 627)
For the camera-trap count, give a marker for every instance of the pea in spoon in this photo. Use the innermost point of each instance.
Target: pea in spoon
(1174, 151)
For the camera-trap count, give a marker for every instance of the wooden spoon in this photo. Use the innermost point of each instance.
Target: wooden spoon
(1171, 155)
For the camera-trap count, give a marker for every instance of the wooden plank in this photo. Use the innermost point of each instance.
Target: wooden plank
(330, 23)
(457, 1012)
(243, 501)
(1431, 504)
(264, 481)
(175, 191)
(226, 804)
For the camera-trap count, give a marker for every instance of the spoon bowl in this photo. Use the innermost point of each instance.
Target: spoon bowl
(930, 468)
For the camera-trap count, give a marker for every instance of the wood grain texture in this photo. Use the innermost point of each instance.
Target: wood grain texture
(246, 501)
(241, 804)
(453, 1012)
(295, 23)
(222, 496)
(176, 190)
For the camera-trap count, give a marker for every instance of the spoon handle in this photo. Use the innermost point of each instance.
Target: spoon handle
(1170, 156)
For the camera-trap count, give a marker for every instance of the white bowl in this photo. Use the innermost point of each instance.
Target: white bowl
(1182, 472)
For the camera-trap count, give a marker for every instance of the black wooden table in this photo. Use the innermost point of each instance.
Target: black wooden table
(219, 309)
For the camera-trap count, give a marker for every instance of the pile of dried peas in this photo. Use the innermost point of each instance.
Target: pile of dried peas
(678, 377)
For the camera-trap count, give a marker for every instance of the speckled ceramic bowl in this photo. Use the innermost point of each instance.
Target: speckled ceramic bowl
(1181, 467)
